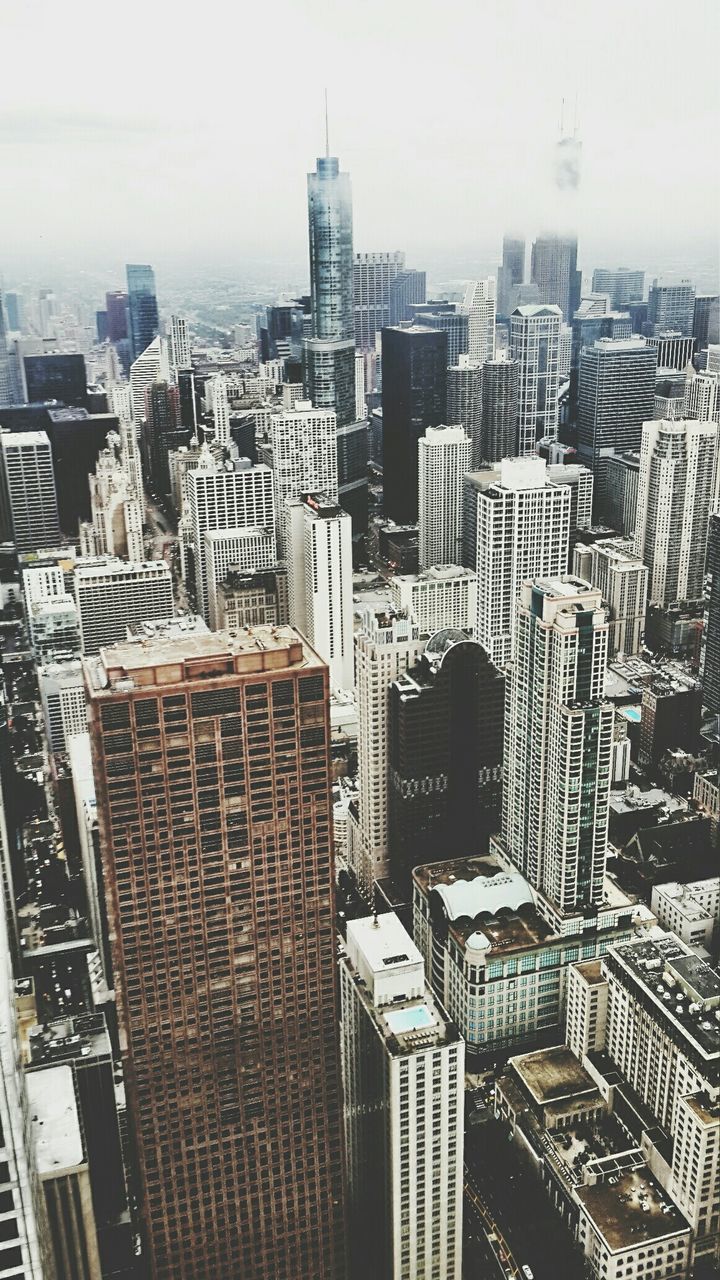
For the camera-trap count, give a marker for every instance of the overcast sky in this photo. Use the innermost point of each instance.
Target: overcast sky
(142, 129)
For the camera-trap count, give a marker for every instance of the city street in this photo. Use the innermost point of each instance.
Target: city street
(530, 1228)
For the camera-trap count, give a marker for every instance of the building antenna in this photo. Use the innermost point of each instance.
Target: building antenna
(327, 130)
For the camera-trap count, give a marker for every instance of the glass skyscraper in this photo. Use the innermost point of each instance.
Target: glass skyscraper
(142, 308)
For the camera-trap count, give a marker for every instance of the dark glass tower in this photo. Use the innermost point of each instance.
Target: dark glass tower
(616, 395)
(445, 755)
(163, 431)
(56, 377)
(142, 308)
(414, 397)
(329, 354)
(116, 305)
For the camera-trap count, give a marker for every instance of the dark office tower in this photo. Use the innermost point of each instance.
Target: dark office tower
(189, 400)
(116, 305)
(454, 324)
(706, 320)
(414, 397)
(56, 377)
(499, 410)
(711, 664)
(445, 755)
(7, 379)
(622, 286)
(76, 437)
(554, 270)
(373, 278)
(616, 394)
(143, 317)
(281, 336)
(212, 770)
(510, 273)
(407, 288)
(101, 325)
(671, 307)
(586, 329)
(163, 431)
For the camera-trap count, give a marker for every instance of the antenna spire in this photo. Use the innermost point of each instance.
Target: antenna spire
(327, 130)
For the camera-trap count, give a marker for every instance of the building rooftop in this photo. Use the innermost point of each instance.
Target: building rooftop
(486, 906)
(631, 1211)
(552, 1074)
(142, 662)
(23, 439)
(177, 628)
(684, 897)
(591, 971)
(54, 1120)
(684, 990)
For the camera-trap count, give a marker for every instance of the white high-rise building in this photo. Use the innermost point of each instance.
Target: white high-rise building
(702, 396)
(224, 497)
(116, 507)
(479, 304)
(403, 1074)
(564, 352)
(319, 541)
(517, 527)
(62, 697)
(386, 645)
(152, 365)
(247, 550)
(119, 398)
(444, 457)
(28, 484)
(465, 401)
(360, 405)
(217, 400)
(535, 346)
(111, 597)
(442, 596)
(675, 499)
(304, 456)
(612, 567)
(558, 743)
(179, 344)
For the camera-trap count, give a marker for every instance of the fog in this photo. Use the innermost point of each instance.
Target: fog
(183, 133)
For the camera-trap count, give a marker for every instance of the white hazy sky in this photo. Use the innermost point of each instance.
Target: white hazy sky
(142, 129)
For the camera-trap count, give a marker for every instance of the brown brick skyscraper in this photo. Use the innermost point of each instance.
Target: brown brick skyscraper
(211, 757)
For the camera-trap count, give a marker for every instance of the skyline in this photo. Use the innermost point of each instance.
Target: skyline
(233, 153)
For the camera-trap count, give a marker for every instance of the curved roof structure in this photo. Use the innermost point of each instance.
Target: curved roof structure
(506, 889)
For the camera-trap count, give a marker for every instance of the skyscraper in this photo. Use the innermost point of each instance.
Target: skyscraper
(711, 655)
(535, 346)
(555, 272)
(179, 344)
(622, 285)
(615, 396)
(319, 555)
(622, 580)
(498, 415)
(229, 1034)
(28, 490)
(7, 378)
(116, 305)
(706, 320)
(445, 755)
(448, 318)
(674, 351)
(414, 397)
(403, 1073)
(702, 397)
(558, 742)
(479, 305)
(304, 456)
(671, 306)
(675, 495)
(56, 377)
(226, 500)
(373, 276)
(517, 526)
(329, 355)
(444, 456)
(464, 402)
(152, 365)
(408, 288)
(142, 308)
(510, 273)
(111, 597)
(386, 644)
(162, 431)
